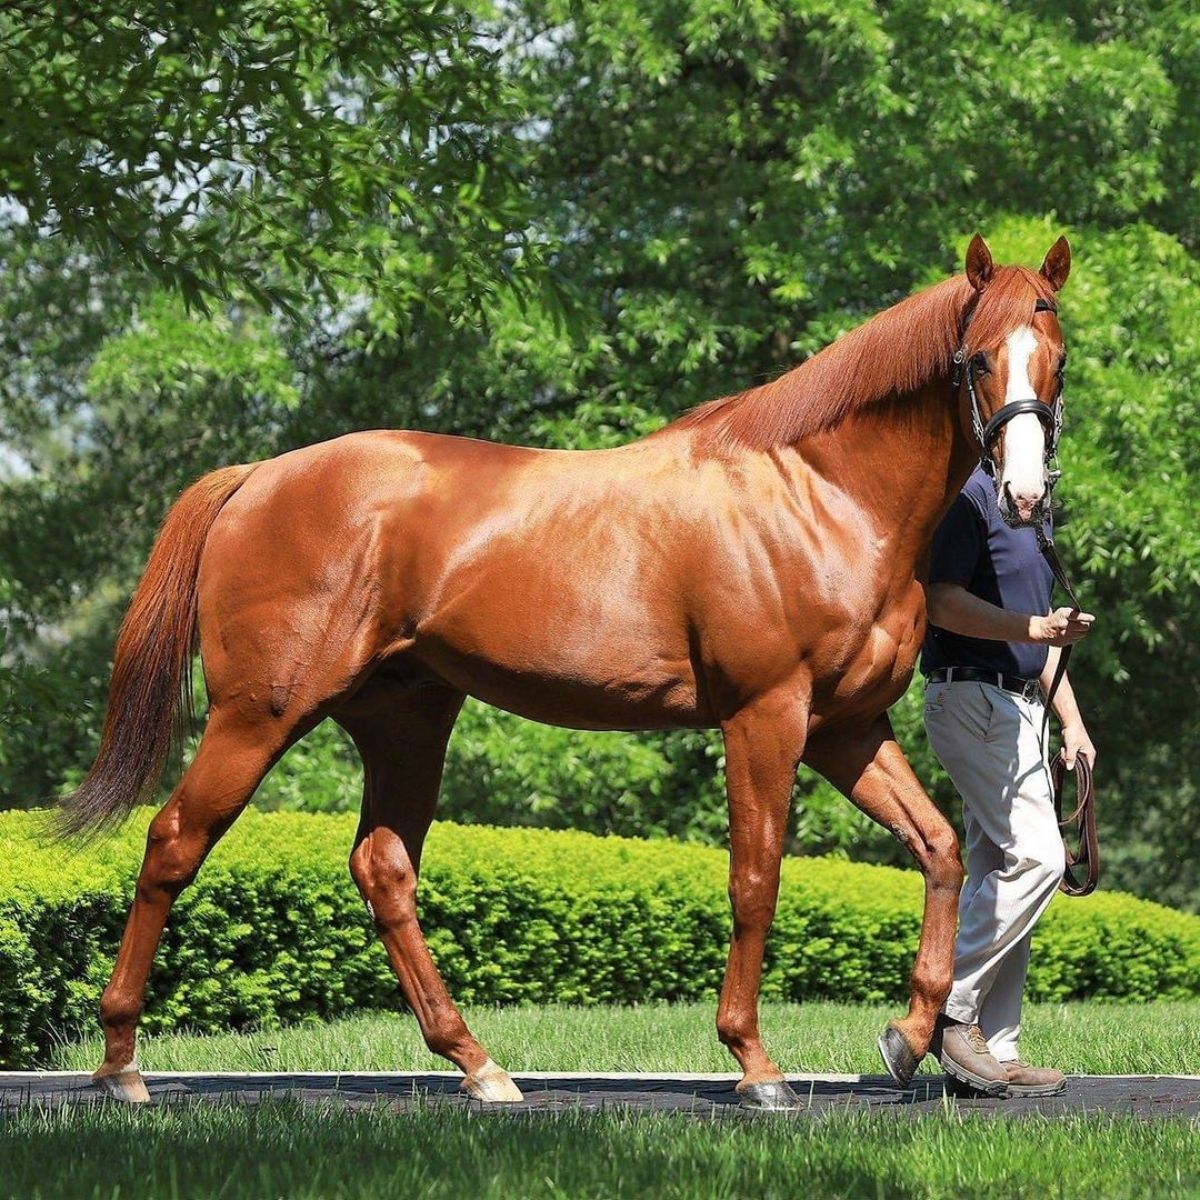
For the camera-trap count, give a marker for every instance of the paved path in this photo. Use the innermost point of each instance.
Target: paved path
(708, 1095)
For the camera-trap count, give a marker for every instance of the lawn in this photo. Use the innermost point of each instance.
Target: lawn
(1084, 1038)
(282, 1150)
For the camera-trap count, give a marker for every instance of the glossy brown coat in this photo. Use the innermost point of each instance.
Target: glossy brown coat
(754, 566)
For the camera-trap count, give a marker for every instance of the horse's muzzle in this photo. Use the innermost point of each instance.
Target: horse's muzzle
(1011, 510)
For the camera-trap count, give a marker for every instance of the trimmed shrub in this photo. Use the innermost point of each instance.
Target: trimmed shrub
(274, 930)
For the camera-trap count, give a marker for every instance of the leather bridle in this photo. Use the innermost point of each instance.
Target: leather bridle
(986, 432)
(1086, 852)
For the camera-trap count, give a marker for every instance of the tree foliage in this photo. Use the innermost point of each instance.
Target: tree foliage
(266, 148)
(719, 188)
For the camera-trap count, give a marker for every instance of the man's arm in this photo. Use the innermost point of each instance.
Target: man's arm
(950, 606)
(1074, 733)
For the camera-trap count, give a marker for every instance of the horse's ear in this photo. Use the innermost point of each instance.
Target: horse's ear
(1057, 264)
(980, 267)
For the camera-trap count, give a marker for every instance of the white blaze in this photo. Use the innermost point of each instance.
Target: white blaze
(1024, 435)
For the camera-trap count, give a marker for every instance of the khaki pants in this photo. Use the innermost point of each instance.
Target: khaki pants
(990, 743)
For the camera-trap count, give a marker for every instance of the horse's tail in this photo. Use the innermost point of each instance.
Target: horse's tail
(151, 676)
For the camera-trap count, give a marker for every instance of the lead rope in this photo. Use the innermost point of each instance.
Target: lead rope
(1086, 852)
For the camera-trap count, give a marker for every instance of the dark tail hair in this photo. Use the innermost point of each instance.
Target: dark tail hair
(151, 677)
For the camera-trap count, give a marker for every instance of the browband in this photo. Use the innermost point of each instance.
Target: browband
(1039, 305)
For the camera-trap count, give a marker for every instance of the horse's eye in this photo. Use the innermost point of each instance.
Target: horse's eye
(980, 364)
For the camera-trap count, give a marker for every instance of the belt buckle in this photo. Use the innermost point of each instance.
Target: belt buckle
(1030, 690)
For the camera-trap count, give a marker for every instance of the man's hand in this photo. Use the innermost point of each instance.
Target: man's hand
(1063, 627)
(1076, 742)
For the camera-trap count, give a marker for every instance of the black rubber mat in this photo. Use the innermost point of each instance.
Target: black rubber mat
(710, 1096)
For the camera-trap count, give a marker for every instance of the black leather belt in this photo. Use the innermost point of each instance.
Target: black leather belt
(1027, 689)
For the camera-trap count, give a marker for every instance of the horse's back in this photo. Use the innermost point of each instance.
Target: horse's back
(562, 566)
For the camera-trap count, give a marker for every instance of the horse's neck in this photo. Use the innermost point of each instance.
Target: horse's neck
(903, 460)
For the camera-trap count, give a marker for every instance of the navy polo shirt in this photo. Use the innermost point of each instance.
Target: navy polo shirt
(974, 548)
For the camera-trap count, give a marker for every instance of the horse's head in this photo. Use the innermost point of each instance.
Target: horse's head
(1010, 368)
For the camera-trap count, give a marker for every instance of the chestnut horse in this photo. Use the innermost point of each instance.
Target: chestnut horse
(754, 566)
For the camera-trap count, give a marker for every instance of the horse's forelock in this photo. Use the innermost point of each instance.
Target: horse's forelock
(1005, 305)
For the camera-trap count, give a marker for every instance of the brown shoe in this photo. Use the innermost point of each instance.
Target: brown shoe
(1024, 1080)
(965, 1057)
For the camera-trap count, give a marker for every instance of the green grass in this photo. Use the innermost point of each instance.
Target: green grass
(280, 1150)
(1085, 1038)
(201, 1151)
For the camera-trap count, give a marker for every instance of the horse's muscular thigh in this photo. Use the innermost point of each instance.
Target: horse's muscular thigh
(287, 622)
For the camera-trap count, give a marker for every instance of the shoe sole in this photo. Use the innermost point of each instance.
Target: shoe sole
(1034, 1090)
(996, 1089)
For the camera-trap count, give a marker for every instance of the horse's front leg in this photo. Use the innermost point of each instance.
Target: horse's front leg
(763, 745)
(869, 767)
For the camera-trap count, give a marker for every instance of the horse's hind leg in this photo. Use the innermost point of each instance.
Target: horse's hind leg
(233, 756)
(871, 769)
(402, 736)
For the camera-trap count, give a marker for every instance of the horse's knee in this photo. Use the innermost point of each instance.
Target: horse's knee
(937, 854)
(753, 894)
(943, 862)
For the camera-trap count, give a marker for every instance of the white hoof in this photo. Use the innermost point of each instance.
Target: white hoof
(493, 1085)
(125, 1084)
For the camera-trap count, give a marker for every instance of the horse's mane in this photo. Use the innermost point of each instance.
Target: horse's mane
(894, 353)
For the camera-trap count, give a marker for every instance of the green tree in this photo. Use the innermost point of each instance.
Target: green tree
(268, 149)
(722, 188)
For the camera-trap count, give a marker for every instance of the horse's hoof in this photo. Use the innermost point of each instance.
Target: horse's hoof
(493, 1085)
(125, 1085)
(898, 1056)
(776, 1096)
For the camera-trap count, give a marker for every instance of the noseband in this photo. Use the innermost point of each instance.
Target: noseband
(985, 434)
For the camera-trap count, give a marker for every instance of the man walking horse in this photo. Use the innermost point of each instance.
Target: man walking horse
(754, 566)
(991, 654)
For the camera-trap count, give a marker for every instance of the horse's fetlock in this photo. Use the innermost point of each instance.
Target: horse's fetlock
(734, 1026)
(934, 988)
(449, 1038)
(119, 1010)
(729, 1035)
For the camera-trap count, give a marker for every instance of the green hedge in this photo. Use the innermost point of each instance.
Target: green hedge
(274, 930)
